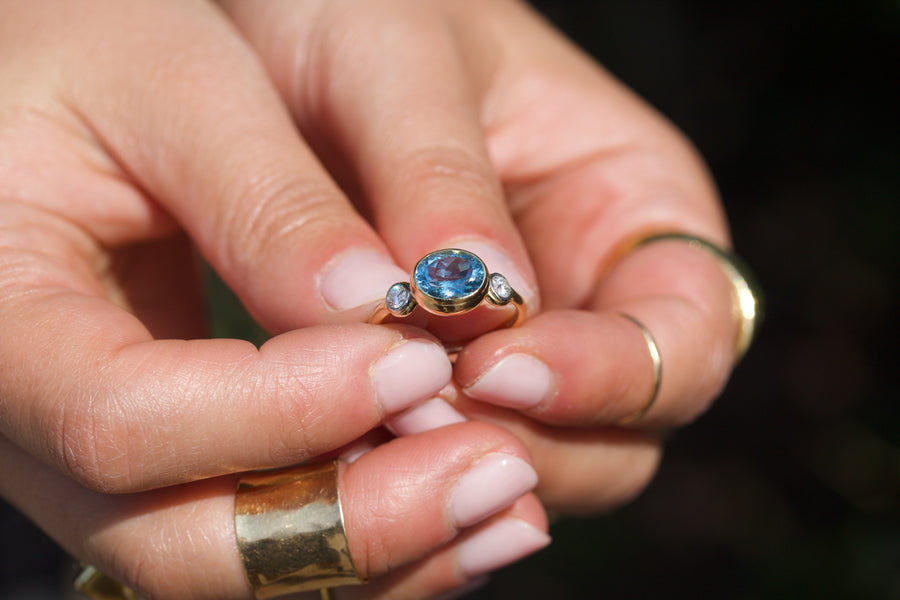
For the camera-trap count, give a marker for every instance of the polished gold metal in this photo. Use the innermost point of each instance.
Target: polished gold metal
(484, 295)
(95, 585)
(290, 530)
(657, 371)
(748, 306)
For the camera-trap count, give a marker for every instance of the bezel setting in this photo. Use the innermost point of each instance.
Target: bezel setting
(449, 281)
(399, 299)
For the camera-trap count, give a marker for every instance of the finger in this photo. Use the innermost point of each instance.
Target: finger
(581, 367)
(588, 166)
(120, 411)
(621, 462)
(475, 470)
(463, 565)
(408, 123)
(180, 542)
(227, 161)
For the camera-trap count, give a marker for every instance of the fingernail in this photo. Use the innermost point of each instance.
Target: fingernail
(410, 373)
(497, 262)
(498, 545)
(359, 277)
(431, 414)
(518, 381)
(490, 485)
(356, 451)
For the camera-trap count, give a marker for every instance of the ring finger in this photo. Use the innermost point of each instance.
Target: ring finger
(660, 342)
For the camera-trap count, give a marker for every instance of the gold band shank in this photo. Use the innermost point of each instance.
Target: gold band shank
(656, 360)
(748, 297)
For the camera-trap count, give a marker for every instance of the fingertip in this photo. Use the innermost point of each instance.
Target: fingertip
(499, 544)
(488, 486)
(357, 278)
(414, 370)
(431, 414)
(519, 381)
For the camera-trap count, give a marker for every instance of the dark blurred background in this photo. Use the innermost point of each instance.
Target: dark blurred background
(790, 486)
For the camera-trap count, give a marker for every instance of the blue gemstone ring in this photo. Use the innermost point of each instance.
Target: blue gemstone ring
(449, 282)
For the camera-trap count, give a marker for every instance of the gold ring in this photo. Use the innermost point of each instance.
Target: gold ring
(748, 306)
(450, 282)
(93, 584)
(290, 531)
(657, 371)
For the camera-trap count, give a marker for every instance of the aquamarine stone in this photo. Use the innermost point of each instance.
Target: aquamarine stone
(449, 274)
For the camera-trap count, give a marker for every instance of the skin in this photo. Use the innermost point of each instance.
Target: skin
(276, 138)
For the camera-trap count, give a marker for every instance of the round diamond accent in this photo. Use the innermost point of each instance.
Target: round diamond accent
(398, 297)
(500, 286)
(449, 274)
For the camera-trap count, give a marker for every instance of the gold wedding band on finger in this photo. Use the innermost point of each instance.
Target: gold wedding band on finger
(450, 282)
(748, 297)
(290, 531)
(656, 360)
(290, 536)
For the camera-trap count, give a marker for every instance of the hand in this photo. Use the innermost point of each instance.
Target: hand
(421, 516)
(131, 133)
(474, 124)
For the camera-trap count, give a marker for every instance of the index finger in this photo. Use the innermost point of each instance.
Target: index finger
(87, 389)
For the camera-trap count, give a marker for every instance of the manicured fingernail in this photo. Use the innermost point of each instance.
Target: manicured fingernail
(490, 485)
(497, 262)
(518, 381)
(359, 277)
(498, 545)
(410, 373)
(431, 414)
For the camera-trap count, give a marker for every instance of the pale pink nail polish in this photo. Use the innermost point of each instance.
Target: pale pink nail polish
(411, 372)
(518, 381)
(359, 277)
(498, 545)
(356, 451)
(431, 414)
(490, 485)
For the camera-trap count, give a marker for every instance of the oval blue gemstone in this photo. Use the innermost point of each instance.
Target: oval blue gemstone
(449, 274)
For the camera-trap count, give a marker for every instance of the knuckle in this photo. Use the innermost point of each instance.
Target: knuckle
(448, 170)
(274, 209)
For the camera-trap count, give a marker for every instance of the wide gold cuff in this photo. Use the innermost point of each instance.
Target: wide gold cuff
(290, 530)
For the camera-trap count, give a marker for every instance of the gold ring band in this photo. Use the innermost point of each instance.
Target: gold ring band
(657, 371)
(748, 304)
(450, 282)
(93, 584)
(290, 531)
